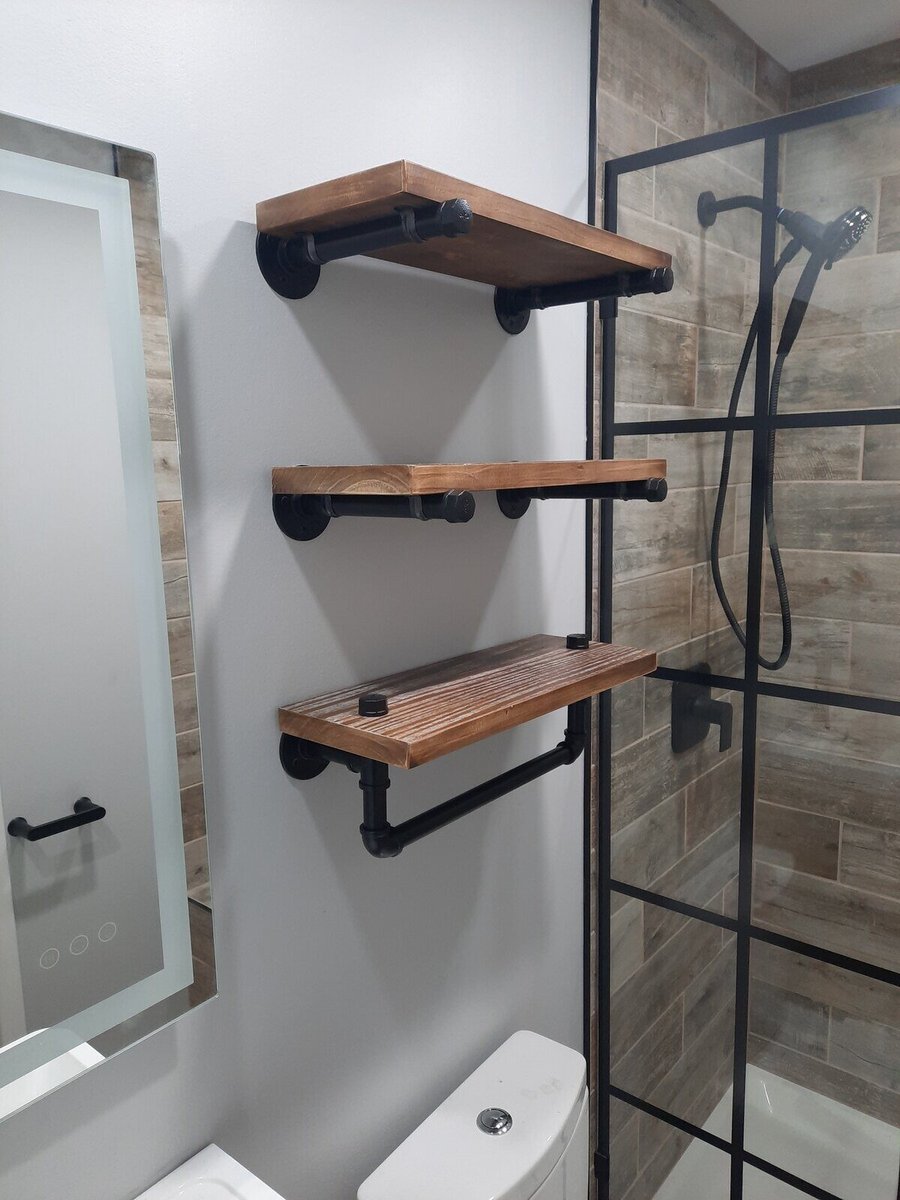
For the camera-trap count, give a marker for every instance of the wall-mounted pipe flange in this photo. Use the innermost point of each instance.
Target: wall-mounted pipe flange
(285, 267)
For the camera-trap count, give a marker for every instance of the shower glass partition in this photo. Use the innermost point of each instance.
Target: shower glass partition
(749, 877)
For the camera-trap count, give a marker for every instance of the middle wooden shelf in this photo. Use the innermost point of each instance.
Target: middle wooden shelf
(305, 498)
(416, 716)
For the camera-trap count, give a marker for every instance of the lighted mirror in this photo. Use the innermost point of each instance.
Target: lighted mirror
(105, 914)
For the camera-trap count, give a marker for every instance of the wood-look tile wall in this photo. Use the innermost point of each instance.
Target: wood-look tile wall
(138, 169)
(828, 842)
(671, 69)
(827, 830)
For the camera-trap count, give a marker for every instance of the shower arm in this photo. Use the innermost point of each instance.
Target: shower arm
(303, 759)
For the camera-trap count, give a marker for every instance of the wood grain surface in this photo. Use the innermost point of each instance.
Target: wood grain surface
(441, 707)
(422, 479)
(510, 244)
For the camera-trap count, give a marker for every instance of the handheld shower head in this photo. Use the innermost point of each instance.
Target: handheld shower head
(829, 242)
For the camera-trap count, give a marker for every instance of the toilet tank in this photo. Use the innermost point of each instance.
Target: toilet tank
(516, 1129)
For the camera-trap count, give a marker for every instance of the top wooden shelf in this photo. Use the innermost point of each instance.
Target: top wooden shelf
(436, 709)
(422, 479)
(511, 244)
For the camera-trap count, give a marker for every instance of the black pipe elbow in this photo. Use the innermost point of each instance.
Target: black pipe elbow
(380, 843)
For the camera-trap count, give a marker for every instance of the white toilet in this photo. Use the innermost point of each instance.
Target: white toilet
(517, 1129)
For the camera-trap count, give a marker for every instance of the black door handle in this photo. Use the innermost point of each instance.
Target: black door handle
(85, 811)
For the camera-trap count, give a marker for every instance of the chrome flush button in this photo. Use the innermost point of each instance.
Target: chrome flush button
(494, 1121)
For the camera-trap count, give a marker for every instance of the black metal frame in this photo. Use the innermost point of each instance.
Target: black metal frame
(303, 759)
(304, 517)
(750, 685)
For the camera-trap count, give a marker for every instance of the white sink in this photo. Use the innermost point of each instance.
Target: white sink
(210, 1175)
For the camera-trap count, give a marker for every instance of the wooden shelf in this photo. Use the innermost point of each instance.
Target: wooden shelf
(510, 245)
(439, 708)
(422, 479)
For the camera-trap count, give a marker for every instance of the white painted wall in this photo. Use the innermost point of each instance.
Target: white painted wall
(354, 993)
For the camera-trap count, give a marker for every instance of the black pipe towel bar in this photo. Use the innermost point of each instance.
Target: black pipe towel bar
(303, 759)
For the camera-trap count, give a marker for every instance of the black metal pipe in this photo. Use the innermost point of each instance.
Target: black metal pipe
(512, 305)
(304, 517)
(452, 218)
(514, 502)
(384, 840)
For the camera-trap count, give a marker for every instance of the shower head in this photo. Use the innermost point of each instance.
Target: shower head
(832, 241)
(829, 242)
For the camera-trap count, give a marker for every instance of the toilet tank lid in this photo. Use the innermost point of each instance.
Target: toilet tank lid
(540, 1084)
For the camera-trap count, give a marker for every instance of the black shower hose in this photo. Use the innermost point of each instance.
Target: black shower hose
(784, 601)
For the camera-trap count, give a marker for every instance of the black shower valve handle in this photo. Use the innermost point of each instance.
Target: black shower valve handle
(717, 712)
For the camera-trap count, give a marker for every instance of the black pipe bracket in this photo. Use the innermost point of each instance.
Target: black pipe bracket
(514, 502)
(291, 266)
(513, 306)
(304, 517)
(302, 759)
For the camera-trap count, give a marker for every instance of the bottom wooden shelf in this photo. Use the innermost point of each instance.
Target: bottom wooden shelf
(435, 709)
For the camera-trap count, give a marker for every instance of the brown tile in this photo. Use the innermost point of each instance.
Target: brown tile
(188, 745)
(827, 914)
(859, 517)
(653, 538)
(710, 283)
(712, 800)
(707, 996)
(656, 361)
(818, 453)
(627, 714)
(627, 942)
(861, 71)
(881, 452)
(857, 734)
(698, 878)
(193, 815)
(825, 1079)
(644, 65)
(171, 529)
(673, 1144)
(789, 1019)
(729, 103)
(835, 987)
(820, 649)
(866, 146)
(621, 130)
(870, 860)
(826, 195)
(689, 1081)
(652, 1055)
(865, 1049)
(841, 371)
(644, 850)
(875, 660)
(707, 613)
(678, 184)
(861, 295)
(166, 471)
(648, 772)
(772, 82)
(845, 586)
(706, 29)
(654, 611)
(175, 581)
(201, 933)
(650, 991)
(184, 693)
(718, 355)
(623, 1148)
(821, 781)
(196, 862)
(797, 840)
(889, 215)
(694, 460)
(181, 649)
